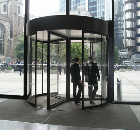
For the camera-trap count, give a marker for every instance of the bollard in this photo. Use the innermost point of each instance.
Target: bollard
(119, 88)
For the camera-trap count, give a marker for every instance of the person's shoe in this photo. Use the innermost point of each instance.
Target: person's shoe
(91, 102)
(78, 102)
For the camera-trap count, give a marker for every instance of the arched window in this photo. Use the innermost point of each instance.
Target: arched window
(2, 39)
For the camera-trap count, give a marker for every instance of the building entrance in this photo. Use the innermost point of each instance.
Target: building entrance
(52, 49)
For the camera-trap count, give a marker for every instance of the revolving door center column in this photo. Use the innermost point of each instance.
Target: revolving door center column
(48, 72)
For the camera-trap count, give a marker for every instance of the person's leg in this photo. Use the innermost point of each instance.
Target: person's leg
(90, 88)
(79, 91)
(95, 89)
(74, 90)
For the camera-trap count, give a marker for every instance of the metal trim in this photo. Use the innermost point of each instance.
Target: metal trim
(48, 72)
(69, 22)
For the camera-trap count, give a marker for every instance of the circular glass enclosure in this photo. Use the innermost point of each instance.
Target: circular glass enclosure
(53, 44)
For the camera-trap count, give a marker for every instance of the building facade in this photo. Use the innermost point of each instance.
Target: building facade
(132, 27)
(118, 25)
(75, 3)
(11, 27)
(97, 8)
(100, 9)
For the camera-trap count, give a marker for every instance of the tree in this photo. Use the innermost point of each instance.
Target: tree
(39, 50)
(19, 48)
(98, 52)
(116, 55)
(76, 51)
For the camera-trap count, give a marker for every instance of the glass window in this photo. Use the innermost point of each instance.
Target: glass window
(2, 31)
(129, 15)
(130, 24)
(12, 48)
(138, 13)
(138, 22)
(138, 4)
(18, 21)
(126, 62)
(129, 6)
(18, 9)
(4, 8)
(80, 8)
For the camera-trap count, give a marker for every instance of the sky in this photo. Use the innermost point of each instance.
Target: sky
(43, 7)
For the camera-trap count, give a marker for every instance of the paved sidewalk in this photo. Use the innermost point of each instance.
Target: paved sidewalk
(12, 84)
(130, 85)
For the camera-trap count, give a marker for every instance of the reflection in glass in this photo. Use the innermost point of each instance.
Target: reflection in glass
(31, 70)
(95, 89)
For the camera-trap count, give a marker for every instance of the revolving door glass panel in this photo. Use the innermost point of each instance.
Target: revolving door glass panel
(95, 68)
(41, 75)
(38, 69)
(31, 70)
(57, 69)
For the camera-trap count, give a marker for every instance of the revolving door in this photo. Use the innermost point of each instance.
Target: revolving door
(51, 51)
(41, 73)
(98, 52)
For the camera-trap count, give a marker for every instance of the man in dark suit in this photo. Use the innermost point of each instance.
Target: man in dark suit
(76, 79)
(93, 74)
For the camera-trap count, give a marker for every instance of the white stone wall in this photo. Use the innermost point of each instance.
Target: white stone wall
(6, 38)
(16, 24)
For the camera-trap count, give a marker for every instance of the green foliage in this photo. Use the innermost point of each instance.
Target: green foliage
(116, 55)
(62, 52)
(76, 51)
(58, 52)
(98, 52)
(39, 51)
(54, 52)
(9, 68)
(19, 48)
(54, 68)
(125, 66)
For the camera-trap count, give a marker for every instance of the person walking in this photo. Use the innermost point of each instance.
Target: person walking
(76, 80)
(93, 74)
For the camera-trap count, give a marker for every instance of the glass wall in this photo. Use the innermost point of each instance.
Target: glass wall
(101, 9)
(44, 8)
(126, 58)
(12, 47)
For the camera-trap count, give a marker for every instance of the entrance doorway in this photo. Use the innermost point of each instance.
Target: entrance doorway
(52, 51)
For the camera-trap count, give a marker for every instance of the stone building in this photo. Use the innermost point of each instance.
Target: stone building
(11, 27)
